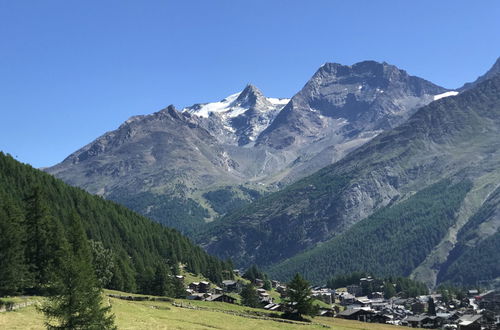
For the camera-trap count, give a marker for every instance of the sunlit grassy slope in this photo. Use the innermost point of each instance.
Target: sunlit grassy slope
(163, 315)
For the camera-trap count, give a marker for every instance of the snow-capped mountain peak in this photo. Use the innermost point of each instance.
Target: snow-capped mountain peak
(241, 116)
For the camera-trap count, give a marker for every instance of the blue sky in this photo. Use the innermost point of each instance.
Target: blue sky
(72, 70)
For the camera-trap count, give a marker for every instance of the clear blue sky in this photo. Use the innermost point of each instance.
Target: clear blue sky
(72, 70)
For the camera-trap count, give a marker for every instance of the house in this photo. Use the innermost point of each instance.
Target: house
(258, 282)
(470, 322)
(418, 307)
(218, 290)
(221, 298)
(194, 286)
(490, 300)
(274, 284)
(346, 299)
(281, 289)
(354, 289)
(380, 318)
(204, 287)
(356, 314)
(424, 321)
(231, 286)
(324, 296)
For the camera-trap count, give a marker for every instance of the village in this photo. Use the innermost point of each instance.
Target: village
(475, 311)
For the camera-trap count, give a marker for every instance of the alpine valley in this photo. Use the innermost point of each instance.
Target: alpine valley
(366, 168)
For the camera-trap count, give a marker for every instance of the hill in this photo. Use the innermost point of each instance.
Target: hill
(200, 315)
(136, 243)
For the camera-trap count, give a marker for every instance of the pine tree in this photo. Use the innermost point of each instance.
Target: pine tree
(389, 290)
(299, 299)
(249, 296)
(160, 285)
(431, 310)
(13, 270)
(76, 301)
(177, 288)
(38, 242)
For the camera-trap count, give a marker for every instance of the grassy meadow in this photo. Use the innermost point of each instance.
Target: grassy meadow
(156, 315)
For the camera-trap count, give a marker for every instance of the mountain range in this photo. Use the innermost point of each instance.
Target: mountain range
(366, 168)
(184, 168)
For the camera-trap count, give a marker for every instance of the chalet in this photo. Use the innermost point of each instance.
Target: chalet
(218, 290)
(194, 286)
(179, 278)
(470, 322)
(356, 314)
(346, 299)
(472, 293)
(355, 290)
(423, 321)
(274, 284)
(221, 298)
(231, 286)
(324, 296)
(490, 300)
(281, 289)
(258, 282)
(204, 287)
(418, 307)
(380, 318)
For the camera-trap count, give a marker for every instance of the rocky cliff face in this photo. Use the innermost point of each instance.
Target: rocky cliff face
(341, 108)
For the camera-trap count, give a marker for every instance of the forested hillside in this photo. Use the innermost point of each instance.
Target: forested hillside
(35, 208)
(392, 241)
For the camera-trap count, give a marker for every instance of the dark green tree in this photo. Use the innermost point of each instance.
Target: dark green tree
(177, 288)
(431, 310)
(299, 299)
(76, 299)
(13, 270)
(249, 296)
(38, 240)
(161, 285)
(389, 290)
(253, 273)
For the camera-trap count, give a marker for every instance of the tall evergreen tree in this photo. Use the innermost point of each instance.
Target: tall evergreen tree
(299, 299)
(13, 271)
(431, 310)
(160, 285)
(76, 300)
(249, 296)
(38, 241)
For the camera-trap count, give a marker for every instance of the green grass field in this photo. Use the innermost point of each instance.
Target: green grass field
(155, 315)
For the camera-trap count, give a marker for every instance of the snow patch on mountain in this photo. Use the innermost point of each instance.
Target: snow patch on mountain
(446, 94)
